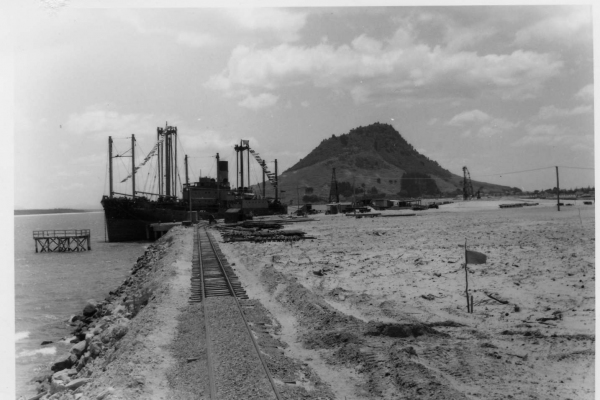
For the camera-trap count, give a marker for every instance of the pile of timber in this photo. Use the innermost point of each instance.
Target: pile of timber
(259, 233)
(518, 205)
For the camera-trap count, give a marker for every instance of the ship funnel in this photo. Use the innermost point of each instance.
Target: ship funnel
(223, 172)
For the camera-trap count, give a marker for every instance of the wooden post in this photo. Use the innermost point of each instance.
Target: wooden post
(133, 165)
(557, 191)
(354, 195)
(110, 166)
(466, 278)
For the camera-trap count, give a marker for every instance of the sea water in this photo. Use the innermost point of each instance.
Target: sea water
(52, 287)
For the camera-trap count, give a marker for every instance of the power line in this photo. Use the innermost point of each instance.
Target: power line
(560, 166)
(515, 172)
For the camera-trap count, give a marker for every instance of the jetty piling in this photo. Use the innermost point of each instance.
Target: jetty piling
(65, 240)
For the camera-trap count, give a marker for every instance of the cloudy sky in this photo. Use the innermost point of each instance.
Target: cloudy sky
(499, 89)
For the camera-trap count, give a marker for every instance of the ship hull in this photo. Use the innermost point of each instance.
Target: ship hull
(128, 221)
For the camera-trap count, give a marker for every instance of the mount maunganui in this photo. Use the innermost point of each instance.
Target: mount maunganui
(379, 162)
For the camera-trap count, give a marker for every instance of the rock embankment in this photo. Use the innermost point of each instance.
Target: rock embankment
(112, 354)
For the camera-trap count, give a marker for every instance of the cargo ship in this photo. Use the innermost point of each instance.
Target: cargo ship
(129, 216)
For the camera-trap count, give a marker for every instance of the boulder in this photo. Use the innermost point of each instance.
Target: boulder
(58, 382)
(95, 348)
(82, 362)
(90, 308)
(79, 348)
(105, 393)
(41, 378)
(63, 362)
(74, 384)
(61, 376)
(119, 331)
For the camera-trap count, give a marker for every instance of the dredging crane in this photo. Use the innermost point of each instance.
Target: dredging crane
(467, 185)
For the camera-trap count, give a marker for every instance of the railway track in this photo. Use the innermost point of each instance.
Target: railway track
(213, 277)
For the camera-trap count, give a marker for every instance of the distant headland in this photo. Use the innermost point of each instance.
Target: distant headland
(51, 211)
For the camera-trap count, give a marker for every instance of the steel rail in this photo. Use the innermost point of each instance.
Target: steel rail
(239, 307)
(211, 375)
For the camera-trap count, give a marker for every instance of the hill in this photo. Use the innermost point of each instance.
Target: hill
(379, 162)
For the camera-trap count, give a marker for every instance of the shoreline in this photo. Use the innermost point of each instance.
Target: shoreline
(59, 213)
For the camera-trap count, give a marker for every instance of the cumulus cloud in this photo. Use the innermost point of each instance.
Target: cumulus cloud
(586, 93)
(469, 117)
(98, 122)
(284, 24)
(555, 135)
(568, 25)
(262, 100)
(368, 68)
(549, 112)
(480, 124)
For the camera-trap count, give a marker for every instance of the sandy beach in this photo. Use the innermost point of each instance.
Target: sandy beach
(408, 270)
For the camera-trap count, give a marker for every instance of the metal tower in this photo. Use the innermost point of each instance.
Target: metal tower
(333, 188)
(467, 184)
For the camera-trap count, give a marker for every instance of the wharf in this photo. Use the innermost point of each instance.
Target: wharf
(65, 240)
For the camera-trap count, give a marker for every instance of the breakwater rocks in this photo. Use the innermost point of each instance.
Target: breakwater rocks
(105, 328)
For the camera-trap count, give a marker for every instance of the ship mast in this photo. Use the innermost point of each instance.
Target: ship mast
(110, 166)
(133, 165)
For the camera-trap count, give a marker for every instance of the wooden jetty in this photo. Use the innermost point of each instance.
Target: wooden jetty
(62, 240)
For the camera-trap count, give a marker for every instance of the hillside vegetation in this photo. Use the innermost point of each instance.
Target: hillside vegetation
(374, 161)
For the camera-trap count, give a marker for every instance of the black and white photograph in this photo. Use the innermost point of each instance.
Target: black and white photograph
(298, 200)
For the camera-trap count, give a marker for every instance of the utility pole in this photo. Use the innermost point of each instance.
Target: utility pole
(557, 190)
(276, 183)
(354, 195)
(248, 161)
(110, 167)
(133, 164)
(263, 174)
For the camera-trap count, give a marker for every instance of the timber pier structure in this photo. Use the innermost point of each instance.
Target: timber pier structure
(62, 240)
